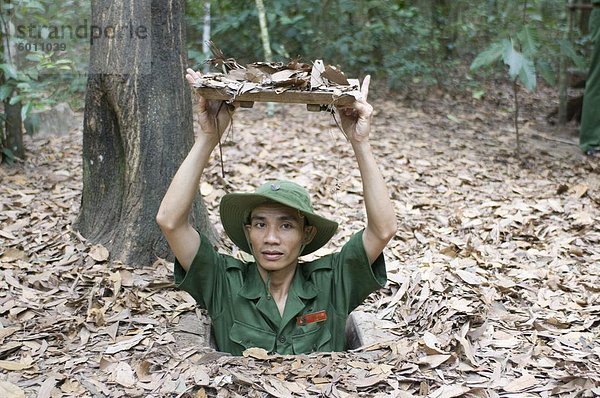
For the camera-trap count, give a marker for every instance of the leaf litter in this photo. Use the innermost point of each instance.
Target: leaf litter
(493, 284)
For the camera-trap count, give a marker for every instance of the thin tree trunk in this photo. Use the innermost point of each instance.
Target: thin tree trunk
(264, 32)
(206, 35)
(563, 95)
(264, 37)
(137, 128)
(11, 137)
(516, 116)
(434, 28)
(14, 129)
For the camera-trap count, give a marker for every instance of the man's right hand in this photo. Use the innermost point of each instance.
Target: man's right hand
(214, 116)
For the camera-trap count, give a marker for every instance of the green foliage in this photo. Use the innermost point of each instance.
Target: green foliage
(389, 39)
(569, 51)
(529, 39)
(489, 56)
(37, 76)
(400, 42)
(538, 44)
(38, 63)
(520, 63)
(7, 155)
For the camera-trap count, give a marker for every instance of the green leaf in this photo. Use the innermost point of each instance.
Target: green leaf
(10, 156)
(519, 66)
(22, 77)
(25, 110)
(24, 86)
(478, 94)
(453, 118)
(536, 17)
(527, 74)
(35, 5)
(528, 37)
(35, 57)
(32, 75)
(14, 100)
(567, 49)
(547, 73)
(9, 70)
(5, 91)
(488, 56)
(513, 59)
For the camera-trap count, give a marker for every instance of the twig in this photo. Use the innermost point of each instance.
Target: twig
(516, 118)
(220, 136)
(337, 123)
(554, 139)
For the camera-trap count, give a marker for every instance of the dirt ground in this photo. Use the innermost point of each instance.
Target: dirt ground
(493, 278)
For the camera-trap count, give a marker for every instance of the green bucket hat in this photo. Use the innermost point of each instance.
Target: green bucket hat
(235, 209)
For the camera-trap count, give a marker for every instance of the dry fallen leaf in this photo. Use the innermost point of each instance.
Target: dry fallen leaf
(469, 277)
(123, 374)
(206, 188)
(433, 361)
(579, 190)
(13, 365)
(432, 342)
(47, 387)
(125, 344)
(13, 254)
(255, 352)
(9, 390)
(449, 391)
(525, 382)
(99, 253)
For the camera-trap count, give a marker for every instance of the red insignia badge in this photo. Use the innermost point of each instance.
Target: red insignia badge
(318, 316)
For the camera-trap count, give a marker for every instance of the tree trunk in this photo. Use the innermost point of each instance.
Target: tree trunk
(206, 35)
(11, 134)
(264, 31)
(137, 127)
(14, 129)
(563, 95)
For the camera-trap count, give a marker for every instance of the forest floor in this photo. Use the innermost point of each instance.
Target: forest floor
(494, 275)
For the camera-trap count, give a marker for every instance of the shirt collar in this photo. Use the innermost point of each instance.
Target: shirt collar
(254, 286)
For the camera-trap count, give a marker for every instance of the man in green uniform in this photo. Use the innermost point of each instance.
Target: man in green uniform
(589, 131)
(278, 303)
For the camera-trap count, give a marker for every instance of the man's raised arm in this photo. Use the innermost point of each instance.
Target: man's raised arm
(173, 214)
(381, 218)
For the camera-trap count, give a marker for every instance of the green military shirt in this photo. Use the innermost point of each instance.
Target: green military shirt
(244, 315)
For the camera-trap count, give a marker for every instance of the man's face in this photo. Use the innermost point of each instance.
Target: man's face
(277, 234)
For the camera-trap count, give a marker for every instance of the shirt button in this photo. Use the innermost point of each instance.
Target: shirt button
(282, 339)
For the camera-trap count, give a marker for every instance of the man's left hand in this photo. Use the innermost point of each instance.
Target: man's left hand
(355, 119)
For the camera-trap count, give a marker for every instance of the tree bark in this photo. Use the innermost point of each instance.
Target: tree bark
(137, 127)
(264, 31)
(206, 35)
(11, 136)
(563, 95)
(14, 129)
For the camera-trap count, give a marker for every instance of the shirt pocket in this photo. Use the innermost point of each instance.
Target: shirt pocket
(249, 336)
(314, 340)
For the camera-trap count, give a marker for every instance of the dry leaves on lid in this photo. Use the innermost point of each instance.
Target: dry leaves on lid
(274, 77)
